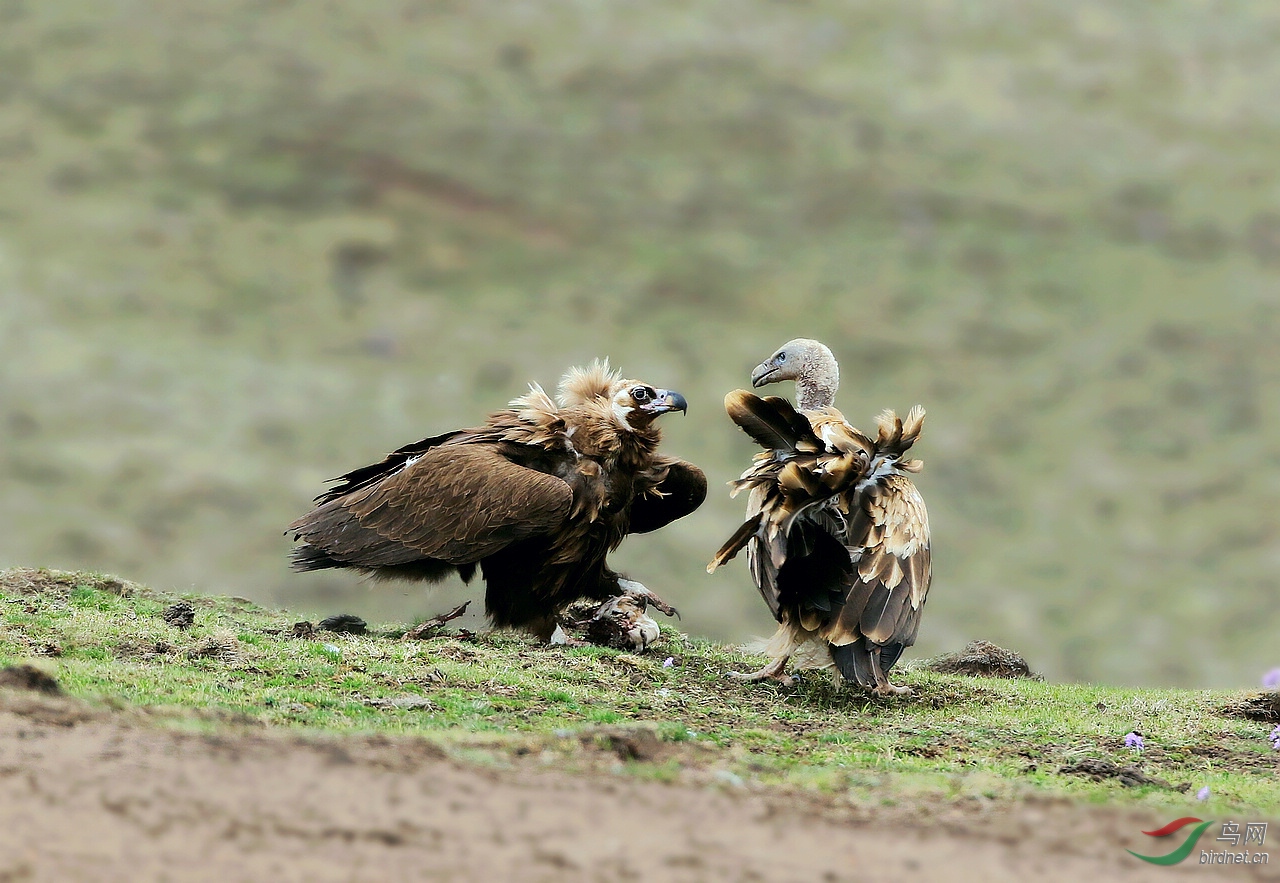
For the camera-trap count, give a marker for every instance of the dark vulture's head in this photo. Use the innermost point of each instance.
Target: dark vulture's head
(795, 360)
(634, 404)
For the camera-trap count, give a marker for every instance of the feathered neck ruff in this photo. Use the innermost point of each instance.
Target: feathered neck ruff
(581, 386)
(583, 410)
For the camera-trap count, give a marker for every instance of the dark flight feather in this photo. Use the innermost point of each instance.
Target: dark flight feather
(772, 421)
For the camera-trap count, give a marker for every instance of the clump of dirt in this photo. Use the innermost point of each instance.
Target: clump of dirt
(1226, 757)
(1130, 776)
(222, 646)
(181, 615)
(628, 743)
(32, 581)
(347, 623)
(984, 660)
(1258, 707)
(28, 677)
(303, 629)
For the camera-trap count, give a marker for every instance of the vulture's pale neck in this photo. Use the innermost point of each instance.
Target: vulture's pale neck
(818, 381)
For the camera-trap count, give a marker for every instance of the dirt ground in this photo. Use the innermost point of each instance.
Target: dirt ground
(91, 795)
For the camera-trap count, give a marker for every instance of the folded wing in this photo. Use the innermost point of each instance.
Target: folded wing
(453, 503)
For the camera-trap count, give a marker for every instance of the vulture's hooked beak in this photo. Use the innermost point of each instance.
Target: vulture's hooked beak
(761, 374)
(667, 400)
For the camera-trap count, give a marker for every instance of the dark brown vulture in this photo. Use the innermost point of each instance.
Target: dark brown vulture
(837, 536)
(535, 498)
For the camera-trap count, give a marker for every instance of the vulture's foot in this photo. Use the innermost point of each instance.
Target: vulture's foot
(774, 671)
(888, 689)
(642, 593)
(883, 686)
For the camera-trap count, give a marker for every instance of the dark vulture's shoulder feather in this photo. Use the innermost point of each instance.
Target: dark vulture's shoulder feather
(453, 503)
(367, 475)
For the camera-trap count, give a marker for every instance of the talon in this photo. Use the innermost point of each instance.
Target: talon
(755, 676)
(666, 608)
(888, 689)
(774, 671)
(644, 594)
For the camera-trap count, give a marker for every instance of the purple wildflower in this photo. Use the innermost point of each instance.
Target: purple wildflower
(1271, 680)
(1275, 738)
(1134, 741)
(1203, 793)
(668, 662)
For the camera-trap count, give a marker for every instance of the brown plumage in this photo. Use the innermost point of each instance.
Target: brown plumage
(837, 536)
(535, 498)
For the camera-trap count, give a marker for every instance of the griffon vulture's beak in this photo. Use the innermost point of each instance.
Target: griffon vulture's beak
(762, 373)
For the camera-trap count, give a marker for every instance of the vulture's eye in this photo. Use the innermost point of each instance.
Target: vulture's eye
(642, 394)
(782, 357)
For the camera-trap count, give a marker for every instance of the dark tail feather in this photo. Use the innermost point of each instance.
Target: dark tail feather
(734, 544)
(854, 662)
(772, 422)
(306, 557)
(889, 655)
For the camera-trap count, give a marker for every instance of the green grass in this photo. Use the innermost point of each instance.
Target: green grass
(956, 738)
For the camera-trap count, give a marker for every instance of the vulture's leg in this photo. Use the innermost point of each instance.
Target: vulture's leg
(883, 687)
(774, 671)
(642, 593)
(548, 630)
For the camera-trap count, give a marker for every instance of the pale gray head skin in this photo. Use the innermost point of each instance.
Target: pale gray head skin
(810, 364)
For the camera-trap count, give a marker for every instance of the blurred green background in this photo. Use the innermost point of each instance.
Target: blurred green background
(247, 246)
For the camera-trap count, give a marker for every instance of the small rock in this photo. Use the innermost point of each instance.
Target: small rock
(628, 743)
(181, 615)
(730, 778)
(28, 677)
(345, 622)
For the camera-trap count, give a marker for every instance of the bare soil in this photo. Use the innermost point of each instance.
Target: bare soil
(88, 794)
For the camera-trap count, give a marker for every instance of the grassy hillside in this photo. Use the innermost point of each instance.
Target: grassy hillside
(958, 738)
(249, 246)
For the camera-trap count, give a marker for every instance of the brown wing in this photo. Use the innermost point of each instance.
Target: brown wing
(680, 490)
(367, 475)
(889, 540)
(793, 537)
(453, 503)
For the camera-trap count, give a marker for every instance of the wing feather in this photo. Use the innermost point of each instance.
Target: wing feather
(679, 490)
(890, 535)
(454, 503)
(771, 421)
